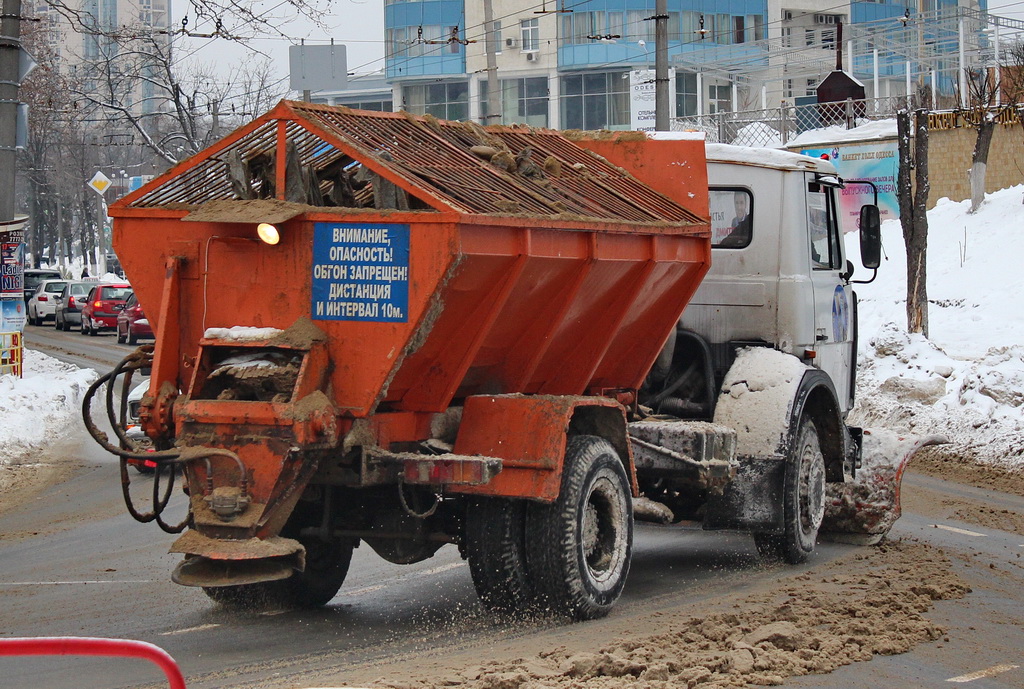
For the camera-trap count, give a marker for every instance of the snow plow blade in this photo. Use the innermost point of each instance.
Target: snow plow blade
(863, 510)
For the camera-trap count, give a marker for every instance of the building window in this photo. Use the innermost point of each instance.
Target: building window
(374, 105)
(738, 29)
(530, 34)
(719, 98)
(525, 101)
(595, 101)
(499, 42)
(686, 94)
(446, 101)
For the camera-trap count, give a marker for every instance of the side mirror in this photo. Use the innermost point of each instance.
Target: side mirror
(870, 236)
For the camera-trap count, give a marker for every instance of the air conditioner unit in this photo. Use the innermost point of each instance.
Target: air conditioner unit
(511, 42)
(531, 57)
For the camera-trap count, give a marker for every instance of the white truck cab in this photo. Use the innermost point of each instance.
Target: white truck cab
(778, 273)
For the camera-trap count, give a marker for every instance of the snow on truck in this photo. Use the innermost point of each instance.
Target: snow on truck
(387, 329)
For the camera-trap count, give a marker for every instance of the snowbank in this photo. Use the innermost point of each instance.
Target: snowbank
(41, 406)
(967, 379)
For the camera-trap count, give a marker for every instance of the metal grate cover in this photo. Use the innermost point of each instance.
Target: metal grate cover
(440, 165)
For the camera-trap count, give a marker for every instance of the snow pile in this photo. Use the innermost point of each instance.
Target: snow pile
(758, 134)
(42, 405)
(966, 380)
(838, 133)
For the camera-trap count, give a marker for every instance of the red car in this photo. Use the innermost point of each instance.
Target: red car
(101, 307)
(132, 323)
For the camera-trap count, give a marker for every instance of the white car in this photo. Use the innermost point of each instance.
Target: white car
(42, 304)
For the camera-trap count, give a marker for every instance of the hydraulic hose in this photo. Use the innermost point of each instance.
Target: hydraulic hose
(165, 460)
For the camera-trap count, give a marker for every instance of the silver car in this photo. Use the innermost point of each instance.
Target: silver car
(69, 302)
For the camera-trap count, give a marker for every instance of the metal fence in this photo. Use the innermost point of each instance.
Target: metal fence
(777, 127)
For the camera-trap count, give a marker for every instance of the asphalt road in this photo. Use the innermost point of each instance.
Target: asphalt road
(72, 562)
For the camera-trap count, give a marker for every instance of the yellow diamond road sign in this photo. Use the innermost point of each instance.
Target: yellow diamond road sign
(100, 182)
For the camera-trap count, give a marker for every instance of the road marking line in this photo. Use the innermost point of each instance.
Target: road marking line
(988, 672)
(77, 583)
(189, 629)
(365, 589)
(964, 532)
(438, 570)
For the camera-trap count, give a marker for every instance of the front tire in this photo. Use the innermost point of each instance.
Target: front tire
(804, 500)
(579, 547)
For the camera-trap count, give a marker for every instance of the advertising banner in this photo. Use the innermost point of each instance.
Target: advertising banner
(876, 163)
(12, 264)
(12, 315)
(641, 99)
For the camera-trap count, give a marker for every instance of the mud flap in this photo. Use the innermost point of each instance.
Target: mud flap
(863, 510)
(752, 501)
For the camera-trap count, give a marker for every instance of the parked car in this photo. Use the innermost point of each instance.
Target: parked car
(68, 304)
(133, 430)
(33, 276)
(132, 323)
(42, 302)
(105, 301)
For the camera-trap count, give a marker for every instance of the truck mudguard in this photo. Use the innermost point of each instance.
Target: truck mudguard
(763, 397)
(529, 433)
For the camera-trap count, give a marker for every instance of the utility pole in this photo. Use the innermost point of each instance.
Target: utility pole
(10, 59)
(661, 85)
(492, 115)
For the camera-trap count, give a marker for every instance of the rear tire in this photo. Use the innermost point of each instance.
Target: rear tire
(496, 550)
(132, 337)
(579, 547)
(804, 496)
(120, 337)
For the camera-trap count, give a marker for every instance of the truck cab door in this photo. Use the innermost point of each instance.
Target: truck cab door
(834, 317)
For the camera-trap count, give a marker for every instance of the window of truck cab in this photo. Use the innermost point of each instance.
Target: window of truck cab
(732, 213)
(823, 226)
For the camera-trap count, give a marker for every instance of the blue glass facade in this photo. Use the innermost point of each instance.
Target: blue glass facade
(629, 34)
(417, 39)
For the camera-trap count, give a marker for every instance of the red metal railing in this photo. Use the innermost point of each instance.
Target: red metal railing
(88, 646)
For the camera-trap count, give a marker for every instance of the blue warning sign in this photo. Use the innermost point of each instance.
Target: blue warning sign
(361, 272)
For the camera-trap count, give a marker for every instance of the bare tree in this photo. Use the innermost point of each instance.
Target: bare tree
(978, 107)
(913, 196)
(138, 90)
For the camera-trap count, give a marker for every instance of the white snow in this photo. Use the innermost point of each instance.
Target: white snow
(677, 136)
(42, 405)
(966, 381)
(771, 157)
(870, 129)
(241, 333)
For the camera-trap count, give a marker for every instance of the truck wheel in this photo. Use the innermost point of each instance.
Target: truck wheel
(579, 547)
(326, 566)
(804, 500)
(496, 550)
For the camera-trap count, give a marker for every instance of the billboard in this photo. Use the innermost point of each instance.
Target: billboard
(878, 163)
(641, 99)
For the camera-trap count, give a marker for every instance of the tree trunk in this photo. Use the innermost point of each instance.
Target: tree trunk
(979, 161)
(913, 215)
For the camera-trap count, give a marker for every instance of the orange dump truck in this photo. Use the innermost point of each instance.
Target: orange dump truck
(388, 329)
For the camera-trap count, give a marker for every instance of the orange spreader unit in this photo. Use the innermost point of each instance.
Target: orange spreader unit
(420, 264)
